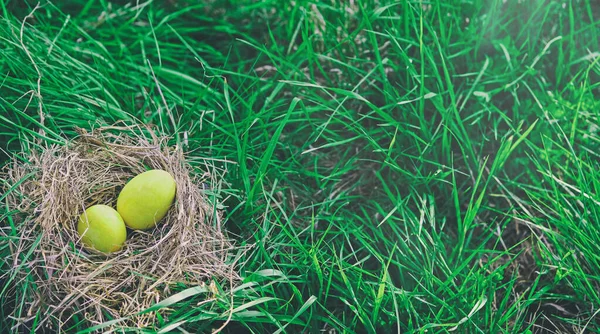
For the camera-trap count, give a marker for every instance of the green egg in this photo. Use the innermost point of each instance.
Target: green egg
(102, 228)
(145, 200)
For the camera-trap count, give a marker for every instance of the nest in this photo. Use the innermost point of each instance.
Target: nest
(73, 282)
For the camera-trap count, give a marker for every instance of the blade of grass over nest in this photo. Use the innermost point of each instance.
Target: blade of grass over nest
(177, 298)
(102, 326)
(23, 260)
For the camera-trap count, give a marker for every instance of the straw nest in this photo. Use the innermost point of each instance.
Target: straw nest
(72, 282)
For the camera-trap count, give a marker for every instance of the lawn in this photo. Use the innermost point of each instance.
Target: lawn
(389, 166)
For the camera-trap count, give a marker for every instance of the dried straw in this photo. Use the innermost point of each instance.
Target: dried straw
(187, 247)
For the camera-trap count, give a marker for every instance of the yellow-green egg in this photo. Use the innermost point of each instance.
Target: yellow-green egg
(102, 228)
(145, 199)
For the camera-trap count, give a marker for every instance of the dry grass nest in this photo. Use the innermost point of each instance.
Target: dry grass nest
(68, 280)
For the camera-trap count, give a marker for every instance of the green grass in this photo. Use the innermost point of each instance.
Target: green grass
(397, 166)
